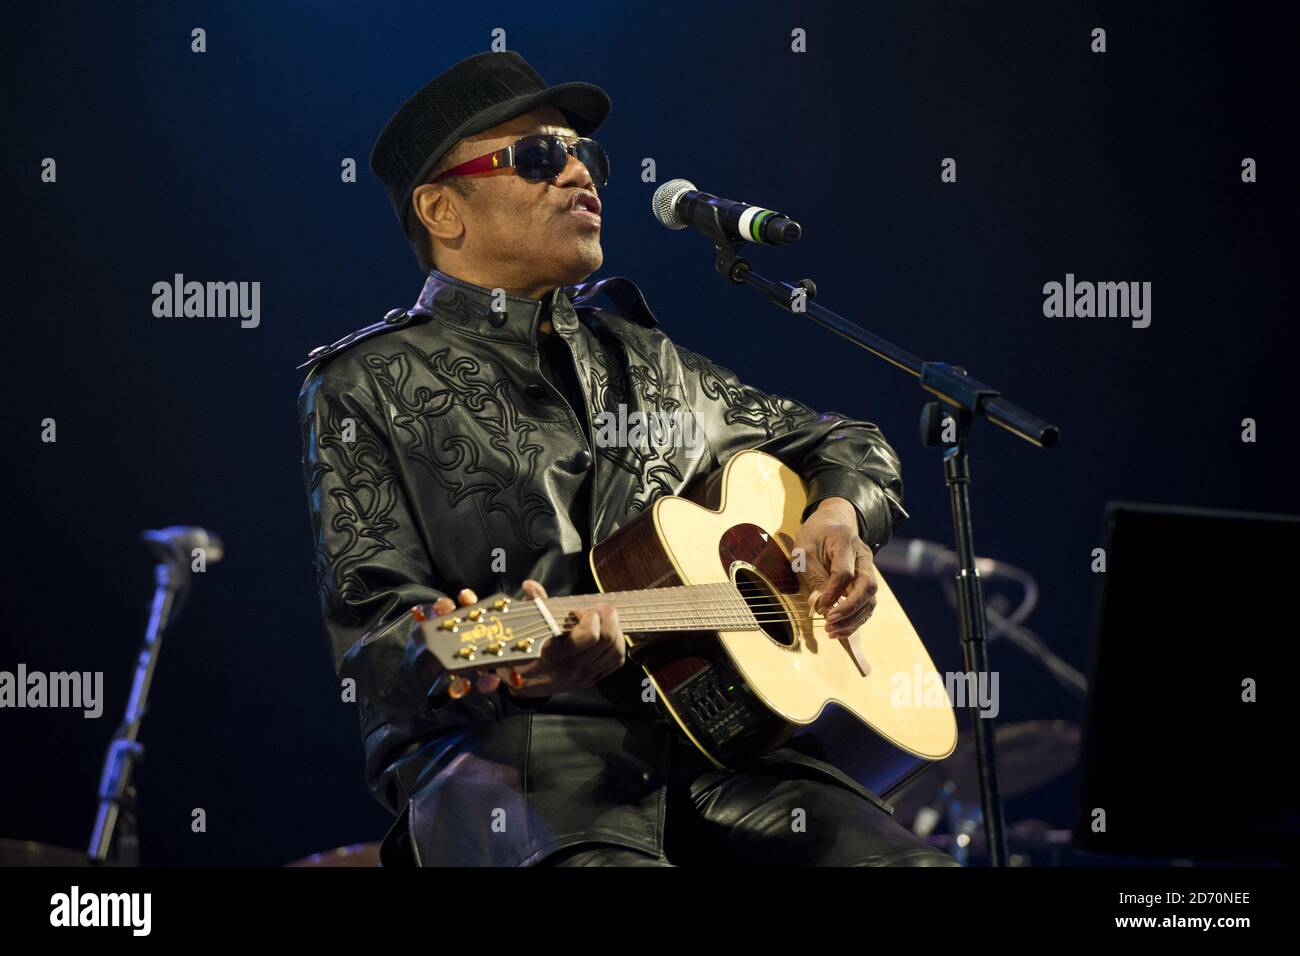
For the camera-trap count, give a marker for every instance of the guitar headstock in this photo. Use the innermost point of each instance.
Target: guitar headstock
(496, 631)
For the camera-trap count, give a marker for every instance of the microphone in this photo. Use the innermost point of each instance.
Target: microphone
(917, 558)
(179, 541)
(678, 204)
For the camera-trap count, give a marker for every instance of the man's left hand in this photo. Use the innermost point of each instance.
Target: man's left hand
(839, 568)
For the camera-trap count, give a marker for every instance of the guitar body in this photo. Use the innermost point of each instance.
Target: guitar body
(739, 693)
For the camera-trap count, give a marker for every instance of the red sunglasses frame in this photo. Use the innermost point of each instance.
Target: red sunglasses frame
(503, 160)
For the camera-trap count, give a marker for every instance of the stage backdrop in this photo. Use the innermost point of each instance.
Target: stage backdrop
(946, 161)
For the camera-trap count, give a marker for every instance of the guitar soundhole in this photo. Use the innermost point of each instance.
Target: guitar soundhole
(763, 601)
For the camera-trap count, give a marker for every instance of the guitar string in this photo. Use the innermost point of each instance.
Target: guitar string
(651, 611)
(669, 620)
(752, 596)
(643, 605)
(759, 605)
(572, 603)
(539, 630)
(665, 620)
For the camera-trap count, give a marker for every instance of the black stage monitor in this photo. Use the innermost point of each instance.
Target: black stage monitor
(1196, 611)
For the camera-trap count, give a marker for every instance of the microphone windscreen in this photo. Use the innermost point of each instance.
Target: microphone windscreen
(664, 202)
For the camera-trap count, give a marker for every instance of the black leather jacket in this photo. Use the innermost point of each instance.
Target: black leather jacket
(438, 454)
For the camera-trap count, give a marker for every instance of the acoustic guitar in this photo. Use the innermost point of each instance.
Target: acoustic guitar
(713, 609)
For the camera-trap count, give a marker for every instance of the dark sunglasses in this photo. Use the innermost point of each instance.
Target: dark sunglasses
(540, 157)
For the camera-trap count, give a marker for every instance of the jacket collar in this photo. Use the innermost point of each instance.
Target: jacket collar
(511, 318)
(482, 312)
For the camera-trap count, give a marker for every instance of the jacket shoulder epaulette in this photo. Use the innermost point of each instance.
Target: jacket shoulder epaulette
(625, 295)
(395, 319)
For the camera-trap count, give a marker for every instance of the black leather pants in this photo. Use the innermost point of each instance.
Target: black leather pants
(761, 818)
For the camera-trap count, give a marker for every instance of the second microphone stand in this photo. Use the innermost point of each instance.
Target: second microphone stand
(116, 832)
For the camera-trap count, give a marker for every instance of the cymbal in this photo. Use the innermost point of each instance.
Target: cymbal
(31, 853)
(358, 854)
(1029, 755)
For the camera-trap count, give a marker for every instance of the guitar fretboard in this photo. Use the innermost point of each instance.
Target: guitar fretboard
(693, 607)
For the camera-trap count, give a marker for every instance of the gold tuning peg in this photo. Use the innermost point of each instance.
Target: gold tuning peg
(475, 614)
(500, 604)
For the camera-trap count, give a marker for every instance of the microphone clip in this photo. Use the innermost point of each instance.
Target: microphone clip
(727, 259)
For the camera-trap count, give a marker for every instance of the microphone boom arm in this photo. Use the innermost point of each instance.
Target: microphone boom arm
(949, 383)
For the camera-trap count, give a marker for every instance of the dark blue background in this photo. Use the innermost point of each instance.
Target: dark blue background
(226, 166)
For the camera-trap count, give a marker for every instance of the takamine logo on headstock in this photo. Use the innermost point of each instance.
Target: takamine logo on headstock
(494, 631)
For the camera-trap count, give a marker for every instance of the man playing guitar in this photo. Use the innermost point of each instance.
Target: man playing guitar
(454, 446)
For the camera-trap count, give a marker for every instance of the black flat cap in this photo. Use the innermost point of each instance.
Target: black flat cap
(474, 95)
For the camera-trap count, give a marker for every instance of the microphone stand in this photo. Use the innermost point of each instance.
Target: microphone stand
(116, 815)
(965, 399)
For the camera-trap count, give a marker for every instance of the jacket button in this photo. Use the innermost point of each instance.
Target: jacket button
(496, 319)
(537, 391)
(395, 316)
(581, 462)
(649, 778)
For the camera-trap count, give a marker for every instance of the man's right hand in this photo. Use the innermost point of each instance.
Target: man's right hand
(593, 650)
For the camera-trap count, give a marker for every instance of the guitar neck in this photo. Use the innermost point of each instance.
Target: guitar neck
(694, 607)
